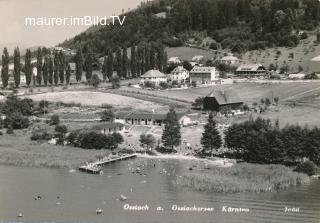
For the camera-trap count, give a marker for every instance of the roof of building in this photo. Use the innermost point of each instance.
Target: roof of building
(225, 97)
(197, 58)
(153, 73)
(144, 115)
(179, 69)
(229, 58)
(250, 67)
(197, 69)
(107, 125)
(298, 75)
(317, 58)
(174, 59)
(161, 15)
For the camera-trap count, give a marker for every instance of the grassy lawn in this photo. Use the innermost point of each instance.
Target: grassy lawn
(242, 178)
(91, 98)
(19, 150)
(248, 92)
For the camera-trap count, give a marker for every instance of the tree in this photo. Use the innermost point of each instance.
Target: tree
(45, 70)
(62, 66)
(79, 64)
(95, 80)
(133, 61)
(55, 120)
(276, 100)
(119, 61)
(124, 62)
(105, 69)
(186, 64)
(43, 106)
(107, 116)
(16, 120)
(211, 138)
(171, 135)
(68, 74)
(198, 102)
(50, 70)
(88, 66)
(61, 130)
(39, 66)
(110, 64)
(115, 81)
(28, 67)
(5, 68)
(148, 140)
(17, 67)
(56, 62)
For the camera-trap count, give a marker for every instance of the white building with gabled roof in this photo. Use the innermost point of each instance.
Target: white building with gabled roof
(204, 75)
(153, 76)
(180, 74)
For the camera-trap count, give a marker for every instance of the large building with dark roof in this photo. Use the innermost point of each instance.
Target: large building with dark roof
(221, 101)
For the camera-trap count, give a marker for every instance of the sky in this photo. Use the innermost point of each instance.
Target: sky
(14, 12)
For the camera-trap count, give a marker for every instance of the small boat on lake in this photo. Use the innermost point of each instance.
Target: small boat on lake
(123, 198)
(99, 211)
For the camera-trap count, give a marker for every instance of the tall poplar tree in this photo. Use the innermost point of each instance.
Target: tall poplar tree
(68, 74)
(39, 66)
(56, 62)
(88, 66)
(110, 64)
(133, 61)
(28, 67)
(160, 57)
(45, 70)
(105, 69)
(171, 135)
(119, 62)
(17, 67)
(211, 138)
(152, 57)
(79, 64)
(5, 68)
(62, 66)
(50, 70)
(124, 62)
(147, 57)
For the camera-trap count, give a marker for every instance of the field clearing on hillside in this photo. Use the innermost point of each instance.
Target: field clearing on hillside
(186, 53)
(302, 55)
(97, 99)
(248, 92)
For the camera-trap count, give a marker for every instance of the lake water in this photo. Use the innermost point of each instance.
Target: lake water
(80, 194)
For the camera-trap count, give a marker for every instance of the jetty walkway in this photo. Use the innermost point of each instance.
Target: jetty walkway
(95, 167)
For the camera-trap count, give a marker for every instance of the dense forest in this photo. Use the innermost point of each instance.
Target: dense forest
(238, 25)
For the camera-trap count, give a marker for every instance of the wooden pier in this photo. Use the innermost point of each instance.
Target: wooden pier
(95, 167)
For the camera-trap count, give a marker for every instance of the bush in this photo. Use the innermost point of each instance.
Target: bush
(307, 167)
(17, 121)
(163, 85)
(55, 120)
(149, 84)
(94, 140)
(194, 84)
(61, 129)
(1, 133)
(162, 149)
(40, 135)
(107, 116)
